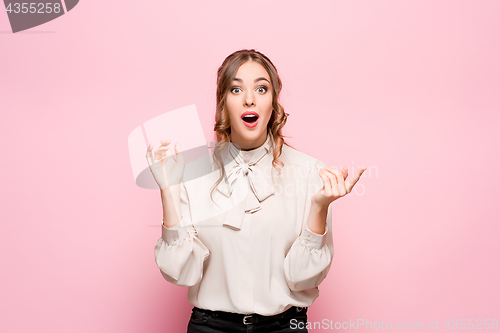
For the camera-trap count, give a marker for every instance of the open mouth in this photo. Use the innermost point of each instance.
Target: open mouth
(250, 117)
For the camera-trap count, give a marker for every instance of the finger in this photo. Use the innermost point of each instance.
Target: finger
(168, 152)
(350, 183)
(334, 176)
(327, 183)
(179, 153)
(345, 172)
(330, 173)
(160, 152)
(340, 180)
(333, 182)
(149, 155)
(163, 152)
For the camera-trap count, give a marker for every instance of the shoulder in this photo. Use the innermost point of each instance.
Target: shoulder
(295, 158)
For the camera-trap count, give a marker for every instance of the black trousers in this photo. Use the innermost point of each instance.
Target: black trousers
(206, 322)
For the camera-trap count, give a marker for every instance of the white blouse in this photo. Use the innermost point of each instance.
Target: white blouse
(249, 250)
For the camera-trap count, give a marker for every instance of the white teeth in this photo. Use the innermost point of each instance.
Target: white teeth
(250, 118)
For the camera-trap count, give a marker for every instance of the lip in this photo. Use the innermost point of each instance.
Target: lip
(246, 113)
(253, 113)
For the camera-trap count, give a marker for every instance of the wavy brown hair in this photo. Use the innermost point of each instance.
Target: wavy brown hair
(225, 76)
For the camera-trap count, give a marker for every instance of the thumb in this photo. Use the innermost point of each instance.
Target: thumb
(180, 154)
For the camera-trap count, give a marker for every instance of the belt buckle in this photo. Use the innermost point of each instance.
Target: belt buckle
(245, 318)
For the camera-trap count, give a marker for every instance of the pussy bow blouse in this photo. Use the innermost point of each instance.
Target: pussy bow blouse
(249, 250)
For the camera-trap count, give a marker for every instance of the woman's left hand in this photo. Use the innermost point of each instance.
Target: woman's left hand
(335, 185)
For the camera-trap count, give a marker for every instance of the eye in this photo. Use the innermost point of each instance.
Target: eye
(232, 89)
(264, 88)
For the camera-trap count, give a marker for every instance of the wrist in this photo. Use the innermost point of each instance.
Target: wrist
(171, 201)
(171, 190)
(317, 218)
(319, 208)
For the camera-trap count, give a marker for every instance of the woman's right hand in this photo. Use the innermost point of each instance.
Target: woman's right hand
(165, 169)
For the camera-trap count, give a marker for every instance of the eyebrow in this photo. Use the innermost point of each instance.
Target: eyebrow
(255, 81)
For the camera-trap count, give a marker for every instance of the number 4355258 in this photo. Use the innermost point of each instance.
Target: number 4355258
(34, 8)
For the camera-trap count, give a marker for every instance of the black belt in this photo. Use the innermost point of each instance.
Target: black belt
(253, 318)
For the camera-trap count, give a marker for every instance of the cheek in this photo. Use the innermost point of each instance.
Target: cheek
(268, 116)
(232, 111)
(269, 108)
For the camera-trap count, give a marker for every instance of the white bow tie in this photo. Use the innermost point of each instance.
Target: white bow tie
(236, 187)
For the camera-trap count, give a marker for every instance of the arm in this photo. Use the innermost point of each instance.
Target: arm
(309, 259)
(316, 222)
(171, 202)
(179, 253)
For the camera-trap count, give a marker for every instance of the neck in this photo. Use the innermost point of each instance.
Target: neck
(246, 145)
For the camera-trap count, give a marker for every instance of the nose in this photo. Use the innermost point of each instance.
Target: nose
(249, 100)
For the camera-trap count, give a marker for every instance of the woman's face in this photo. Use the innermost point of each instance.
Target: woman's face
(250, 93)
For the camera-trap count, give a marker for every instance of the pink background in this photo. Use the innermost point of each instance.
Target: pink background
(409, 89)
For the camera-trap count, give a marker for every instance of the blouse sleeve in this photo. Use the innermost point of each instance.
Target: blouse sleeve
(179, 253)
(309, 259)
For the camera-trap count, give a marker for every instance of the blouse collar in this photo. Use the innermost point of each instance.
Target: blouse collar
(242, 166)
(253, 155)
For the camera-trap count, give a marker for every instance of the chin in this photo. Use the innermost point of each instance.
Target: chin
(250, 135)
(253, 135)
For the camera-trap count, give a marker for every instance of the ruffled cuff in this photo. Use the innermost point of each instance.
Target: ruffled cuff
(174, 235)
(180, 255)
(313, 240)
(307, 262)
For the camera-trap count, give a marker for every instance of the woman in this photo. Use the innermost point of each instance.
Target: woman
(249, 230)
